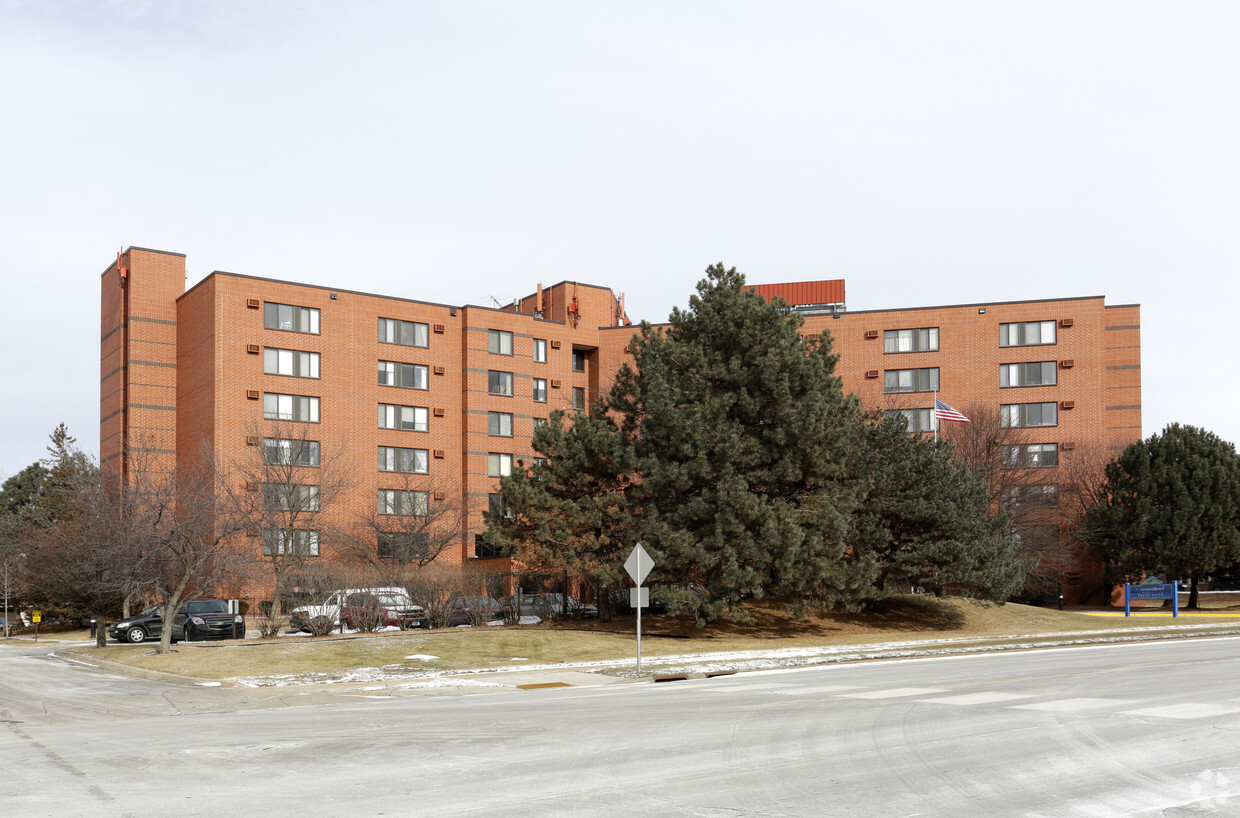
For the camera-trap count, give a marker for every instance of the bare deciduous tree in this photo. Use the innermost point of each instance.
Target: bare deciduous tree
(286, 493)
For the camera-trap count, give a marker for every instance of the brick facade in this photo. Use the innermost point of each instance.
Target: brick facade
(184, 370)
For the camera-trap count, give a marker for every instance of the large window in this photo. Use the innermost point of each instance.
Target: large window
(403, 461)
(911, 380)
(579, 360)
(925, 339)
(1020, 415)
(405, 333)
(403, 503)
(499, 342)
(1040, 373)
(539, 391)
(408, 376)
(290, 362)
(290, 407)
(495, 506)
(291, 497)
(289, 317)
(281, 541)
(499, 424)
(499, 383)
(579, 398)
(918, 420)
(405, 418)
(1030, 333)
(540, 350)
(1045, 495)
(403, 545)
(1032, 456)
(499, 465)
(283, 452)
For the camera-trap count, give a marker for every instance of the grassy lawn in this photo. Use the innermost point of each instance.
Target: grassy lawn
(907, 619)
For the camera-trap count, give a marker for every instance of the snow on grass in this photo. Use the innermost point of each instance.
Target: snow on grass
(422, 657)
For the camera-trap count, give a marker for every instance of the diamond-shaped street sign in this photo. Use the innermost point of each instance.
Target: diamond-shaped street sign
(638, 564)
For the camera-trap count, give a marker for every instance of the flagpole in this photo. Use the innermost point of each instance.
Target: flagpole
(936, 414)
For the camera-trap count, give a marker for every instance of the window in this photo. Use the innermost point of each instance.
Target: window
(290, 362)
(499, 424)
(405, 333)
(539, 422)
(1030, 333)
(579, 398)
(283, 452)
(290, 407)
(540, 390)
(286, 316)
(404, 545)
(499, 465)
(485, 549)
(1019, 415)
(291, 497)
(918, 420)
(1032, 456)
(499, 383)
(1040, 495)
(299, 542)
(911, 380)
(408, 376)
(404, 418)
(925, 339)
(404, 461)
(404, 503)
(1041, 373)
(579, 360)
(495, 506)
(540, 350)
(499, 342)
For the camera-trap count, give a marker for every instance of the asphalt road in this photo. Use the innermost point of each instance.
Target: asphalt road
(1125, 730)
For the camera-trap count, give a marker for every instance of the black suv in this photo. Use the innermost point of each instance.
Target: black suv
(197, 619)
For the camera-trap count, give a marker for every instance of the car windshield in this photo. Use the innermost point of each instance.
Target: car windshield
(394, 601)
(151, 611)
(207, 606)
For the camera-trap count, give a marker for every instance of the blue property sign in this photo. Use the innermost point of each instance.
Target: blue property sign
(1152, 588)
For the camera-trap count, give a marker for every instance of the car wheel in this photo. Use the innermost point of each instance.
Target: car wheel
(135, 635)
(187, 635)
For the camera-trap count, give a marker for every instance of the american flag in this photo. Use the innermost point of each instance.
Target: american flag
(945, 412)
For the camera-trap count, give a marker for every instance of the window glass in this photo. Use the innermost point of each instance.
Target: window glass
(924, 339)
(291, 318)
(499, 423)
(1038, 373)
(579, 398)
(290, 407)
(285, 452)
(499, 342)
(403, 503)
(499, 465)
(1028, 333)
(404, 418)
(540, 390)
(290, 362)
(916, 420)
(579, 360)
(407, 376)
(405, 333)
(499, 383)
(911, 380)
(404, 461)
(540, 350)
(1019, 415)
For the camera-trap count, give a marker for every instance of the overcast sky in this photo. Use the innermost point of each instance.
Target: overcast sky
(927, 152)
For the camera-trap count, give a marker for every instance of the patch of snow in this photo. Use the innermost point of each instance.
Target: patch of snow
(422, 657)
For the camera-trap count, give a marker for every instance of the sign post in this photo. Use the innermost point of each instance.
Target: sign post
(638, 565)
(1152, 588)
(36, 617)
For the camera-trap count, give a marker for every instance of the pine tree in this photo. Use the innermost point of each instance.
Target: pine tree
(1172, 507)
(928, 523)
(745, 443)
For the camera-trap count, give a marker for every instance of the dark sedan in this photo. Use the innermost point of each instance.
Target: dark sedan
(197, 619)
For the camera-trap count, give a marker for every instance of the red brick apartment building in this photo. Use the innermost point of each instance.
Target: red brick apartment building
(448, 396)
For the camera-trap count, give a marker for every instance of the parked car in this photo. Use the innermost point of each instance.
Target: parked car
(13, 624)
(197, 619)
(395, 600)
(381, 611)
(547, 606)
(468, 610)
(1225, 582)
